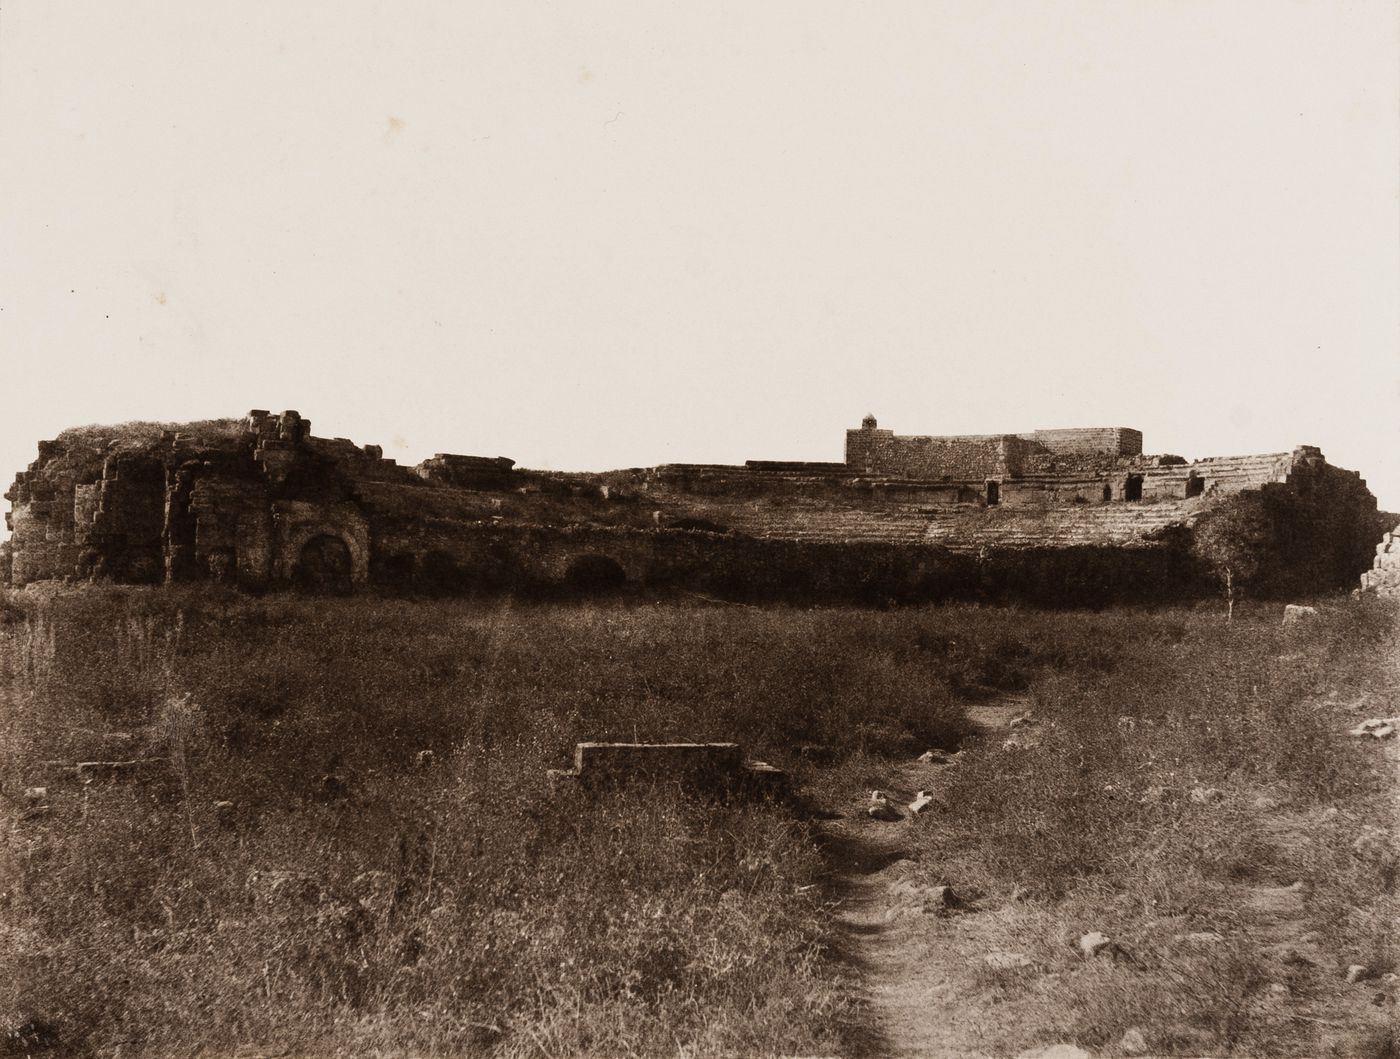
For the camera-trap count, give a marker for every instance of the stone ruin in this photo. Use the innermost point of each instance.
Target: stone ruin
(1383, 579)
(1049, 516)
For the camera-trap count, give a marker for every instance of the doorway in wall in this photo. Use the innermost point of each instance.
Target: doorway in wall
(993, 493)
(1132, 488)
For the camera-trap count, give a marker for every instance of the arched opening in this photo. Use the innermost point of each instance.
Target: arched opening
(1195, 485)
(324, 565)
(594, 573)
(1132, 488)
(1107, 491)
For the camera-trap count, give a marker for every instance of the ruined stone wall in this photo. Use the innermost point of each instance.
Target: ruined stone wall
(1112, 441)
(1383, 578)
(871, 450)
(262, 502)
(882, 452)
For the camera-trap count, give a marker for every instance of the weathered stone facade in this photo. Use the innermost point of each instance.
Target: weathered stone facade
(1384, 576)
(1049, 515)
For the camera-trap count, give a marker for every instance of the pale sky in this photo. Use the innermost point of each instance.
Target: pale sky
(591, 235)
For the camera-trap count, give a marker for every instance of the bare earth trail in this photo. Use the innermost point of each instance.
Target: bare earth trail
(913, 965)
(906, 970)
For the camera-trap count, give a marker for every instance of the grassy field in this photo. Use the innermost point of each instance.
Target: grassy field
(293, 872)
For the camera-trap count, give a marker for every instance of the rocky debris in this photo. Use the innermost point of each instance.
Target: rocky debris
(881, 809)
(1127, 724)
(225, 814)
(818, 754)
(1296, 613)
(1358, 972)
(1094, 942)
(1133, 1042)
(1207, 795)
(936, 757)
(31, 1035)
(921, 803)
(942, 898)
(1023, 720)
(424, 759)
(1376, 728)
(1007, 961)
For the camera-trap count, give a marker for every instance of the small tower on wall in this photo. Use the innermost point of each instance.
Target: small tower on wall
(868, 423)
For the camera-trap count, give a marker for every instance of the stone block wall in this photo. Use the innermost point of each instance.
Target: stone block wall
(882, 452)
(262, 502)
(871, 450)
(1079, 441)
(1383, 578)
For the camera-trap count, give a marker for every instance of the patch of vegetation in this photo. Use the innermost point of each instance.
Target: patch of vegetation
(347, 841)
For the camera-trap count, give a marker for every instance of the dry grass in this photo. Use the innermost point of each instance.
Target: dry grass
(351, 901)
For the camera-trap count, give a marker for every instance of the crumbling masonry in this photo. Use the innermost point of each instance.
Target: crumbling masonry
(1054, 516)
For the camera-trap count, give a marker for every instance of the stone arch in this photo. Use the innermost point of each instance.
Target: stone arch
(324, 564)
(294, 538)
(591, 572)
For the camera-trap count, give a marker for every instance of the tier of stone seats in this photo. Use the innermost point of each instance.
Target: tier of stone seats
(1119, 524)
(968, 528)
(826, 523)
(1384, 577)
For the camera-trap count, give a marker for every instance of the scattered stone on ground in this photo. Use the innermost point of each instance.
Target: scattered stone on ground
(1295, 613)
(35, 796)
(1207, 795)
(942, 898)
(1133, 1042)
(936, 757)
(224, 813)
(424, 759)
(881, 809)
(1094, 942)
(922, 801)
(1376, 728)
(1023, 721)
(1358, 972)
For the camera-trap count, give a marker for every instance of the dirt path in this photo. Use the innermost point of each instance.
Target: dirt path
(882, 919)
